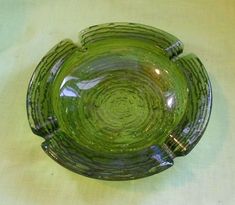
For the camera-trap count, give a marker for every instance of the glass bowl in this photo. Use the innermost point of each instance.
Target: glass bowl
(121, 104)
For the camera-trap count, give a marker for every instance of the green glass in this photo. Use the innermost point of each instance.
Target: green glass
(120, 105)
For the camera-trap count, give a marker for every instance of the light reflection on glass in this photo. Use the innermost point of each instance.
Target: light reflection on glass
(170, 99)
(157, 71)
(71, 86)
(66, 79)
(87, 84)
(68, 92)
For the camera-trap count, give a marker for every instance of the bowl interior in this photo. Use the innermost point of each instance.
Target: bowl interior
(119, 96)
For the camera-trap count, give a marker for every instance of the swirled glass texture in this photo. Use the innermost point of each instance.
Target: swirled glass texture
(122, 104)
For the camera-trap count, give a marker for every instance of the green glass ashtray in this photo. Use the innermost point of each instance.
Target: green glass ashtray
(121, 104)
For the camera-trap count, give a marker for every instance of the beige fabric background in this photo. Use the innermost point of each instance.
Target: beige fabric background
(28, 29)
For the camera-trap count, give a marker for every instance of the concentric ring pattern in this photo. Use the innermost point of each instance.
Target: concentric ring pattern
(122, 106)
